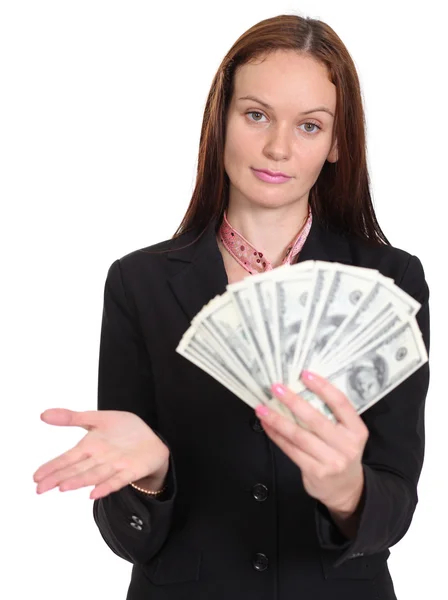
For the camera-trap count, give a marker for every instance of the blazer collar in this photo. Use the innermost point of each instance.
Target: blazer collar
(203, 275)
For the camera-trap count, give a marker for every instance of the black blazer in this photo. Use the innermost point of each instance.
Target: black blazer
(235, 522)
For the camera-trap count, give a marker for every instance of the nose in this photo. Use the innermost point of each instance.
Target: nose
(366, 387)
(278, 144)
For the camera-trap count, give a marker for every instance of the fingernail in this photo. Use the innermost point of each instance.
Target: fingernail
(278, 389)
(308, 376)
(262, 410)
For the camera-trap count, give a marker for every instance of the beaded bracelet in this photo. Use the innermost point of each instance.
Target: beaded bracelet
(147, 491)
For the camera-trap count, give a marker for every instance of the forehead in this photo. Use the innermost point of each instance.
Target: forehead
(366, 372)
(284, 78)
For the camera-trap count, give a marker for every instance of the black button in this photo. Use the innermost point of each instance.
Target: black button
(256, 425)
(260, 562)
(260, 492)
(137, 520)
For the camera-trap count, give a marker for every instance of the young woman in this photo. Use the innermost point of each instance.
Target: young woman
(225, 503)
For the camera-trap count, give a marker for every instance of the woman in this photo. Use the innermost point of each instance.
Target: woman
(225, 503)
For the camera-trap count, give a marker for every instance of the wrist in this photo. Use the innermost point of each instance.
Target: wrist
(350, 504)
(155, 481)
(347, 515)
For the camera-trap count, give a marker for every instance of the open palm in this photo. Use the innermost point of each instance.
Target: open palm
(118, 448)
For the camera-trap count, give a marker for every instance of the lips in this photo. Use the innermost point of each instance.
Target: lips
(272, 173)
(266, 176)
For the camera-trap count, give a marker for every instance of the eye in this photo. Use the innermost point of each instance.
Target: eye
(260, 114)
(314, 125)
(255, 112)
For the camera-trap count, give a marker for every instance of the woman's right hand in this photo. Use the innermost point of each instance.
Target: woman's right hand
(118, 448)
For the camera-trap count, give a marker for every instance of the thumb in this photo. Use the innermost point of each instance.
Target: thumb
(88, 419)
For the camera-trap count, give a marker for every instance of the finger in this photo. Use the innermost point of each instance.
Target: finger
(93, 476)
(338, 402)
(70, 418)
(334, 435)
(62, 461)
(303, 439)
(307, 416)
(113, 484)
(304, 461)
(60, 475)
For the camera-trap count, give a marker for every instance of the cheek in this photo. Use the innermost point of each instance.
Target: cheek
(309, 163)
(237, 152)
(230, 152)
(375, 387)
(240, 140)
(311, 155)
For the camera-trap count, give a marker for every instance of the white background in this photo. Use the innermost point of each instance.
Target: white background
(100, 112)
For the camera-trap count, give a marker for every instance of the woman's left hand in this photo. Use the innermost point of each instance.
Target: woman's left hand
(328, 454)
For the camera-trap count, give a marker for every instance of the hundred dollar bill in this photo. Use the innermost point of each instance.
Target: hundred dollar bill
(349, 285)
(226, 333)
(202, 349)
(264, 315)
(292, 293)
(377, 303)
(265, 318)
(224, 325)
(380, 326)
(245, 301)
(211, 362)
(380, 368)
(322, 282)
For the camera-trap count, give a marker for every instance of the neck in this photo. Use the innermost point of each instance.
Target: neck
(269, 230)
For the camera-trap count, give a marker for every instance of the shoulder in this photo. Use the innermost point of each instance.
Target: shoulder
(140, 269)
(155, 255)
(403, 267)
(158, 249)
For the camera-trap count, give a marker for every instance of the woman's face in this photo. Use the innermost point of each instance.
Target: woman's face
(279, 137)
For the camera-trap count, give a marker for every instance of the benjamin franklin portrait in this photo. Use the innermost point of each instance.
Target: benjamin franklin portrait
(366, 379)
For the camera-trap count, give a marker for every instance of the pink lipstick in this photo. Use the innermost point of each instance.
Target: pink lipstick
(271, 176)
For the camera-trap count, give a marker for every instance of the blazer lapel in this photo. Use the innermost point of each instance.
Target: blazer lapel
(324, 244)
(203, 276)
(200, 275)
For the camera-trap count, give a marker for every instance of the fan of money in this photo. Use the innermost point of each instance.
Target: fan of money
(351, 325)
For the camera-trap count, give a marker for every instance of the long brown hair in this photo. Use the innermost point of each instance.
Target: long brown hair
(340, 198)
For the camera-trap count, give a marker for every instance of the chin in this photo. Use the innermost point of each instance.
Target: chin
(267, 203)
(276, 199)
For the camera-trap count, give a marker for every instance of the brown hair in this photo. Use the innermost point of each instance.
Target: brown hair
(340, 197)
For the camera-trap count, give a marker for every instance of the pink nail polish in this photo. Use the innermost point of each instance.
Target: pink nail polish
(278, 389)
(262, 410)
(308, 376)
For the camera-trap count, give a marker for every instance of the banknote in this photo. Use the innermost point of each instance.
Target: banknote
(352, 325)
(348, 286)
(380, 326)
(225, 331)
(383, 296)
(319, 292)
(220, 330)
(244, 306)
(377, 369)
(292, 297)
(265, 317)
(200, 355)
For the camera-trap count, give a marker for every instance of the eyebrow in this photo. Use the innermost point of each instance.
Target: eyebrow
(269, 107)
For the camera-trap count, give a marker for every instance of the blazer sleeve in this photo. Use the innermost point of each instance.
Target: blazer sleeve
(393, 456)
(132, 524)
